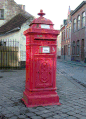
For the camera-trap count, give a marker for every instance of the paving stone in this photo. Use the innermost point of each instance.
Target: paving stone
(64, 115)
(58, 112)
(9, 115)
(50, 118)
(41, 108)
(72, 117)
(6, 112)
(83, 113)
(77, 115)
(83, 117)
(77, 111)
(65, 110)
(28, 118)
(42, 112)
(32, 109)
(30, 114)
(82, 110)
(14, 117)
(36, 117)
(56, 117)
(21, 116)
(48, 107)
(71, 113)
(71, 108)
(46, 115)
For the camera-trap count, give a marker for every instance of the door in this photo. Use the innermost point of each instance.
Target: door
(82, 50)
(64, 52)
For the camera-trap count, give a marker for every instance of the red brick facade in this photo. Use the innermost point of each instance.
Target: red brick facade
(65, 40)
(78, 33)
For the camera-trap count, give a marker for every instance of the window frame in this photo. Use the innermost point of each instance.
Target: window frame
(83, 19)
(74, 25)
(78, 22)
(67, 33)
(68, 49)
(1, 13)
(64, 34)
(78, 48)
(73, 48)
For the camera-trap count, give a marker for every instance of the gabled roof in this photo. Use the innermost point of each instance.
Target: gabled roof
(15, 22)
(74, 11)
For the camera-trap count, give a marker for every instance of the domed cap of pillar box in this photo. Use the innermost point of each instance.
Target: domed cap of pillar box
(41, 19)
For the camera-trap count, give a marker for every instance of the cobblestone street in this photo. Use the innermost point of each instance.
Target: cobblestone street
(75, 70)
(72, 98)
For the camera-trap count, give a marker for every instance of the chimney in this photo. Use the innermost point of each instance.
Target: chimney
(22, 7)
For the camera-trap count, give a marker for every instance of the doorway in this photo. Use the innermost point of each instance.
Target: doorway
(64, 52)
(82, 49)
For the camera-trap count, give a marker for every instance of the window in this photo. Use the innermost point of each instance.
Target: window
(62, 51)
(74, 25)
(83, 19)
(69, 49)
(67, 33)
(77, 47)
(64, 34)
(1, 13)
(73, 50)
(78, 22)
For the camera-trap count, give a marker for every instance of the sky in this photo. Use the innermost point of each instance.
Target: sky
(55, 10)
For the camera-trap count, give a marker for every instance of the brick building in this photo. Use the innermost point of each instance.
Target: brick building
(66, 38)
(78, 33)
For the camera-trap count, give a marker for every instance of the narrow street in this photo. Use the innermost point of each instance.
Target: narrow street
(75, 72)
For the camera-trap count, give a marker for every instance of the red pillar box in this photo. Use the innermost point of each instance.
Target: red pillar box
(41, 50)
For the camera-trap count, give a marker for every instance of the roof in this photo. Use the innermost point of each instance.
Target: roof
(41, 19)
(74, 11)
(15, 22)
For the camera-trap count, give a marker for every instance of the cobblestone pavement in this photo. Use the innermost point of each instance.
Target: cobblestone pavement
(77, 72)
(72, 98)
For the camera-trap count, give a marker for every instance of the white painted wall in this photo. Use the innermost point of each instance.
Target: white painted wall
(20, 38)
(24, 27)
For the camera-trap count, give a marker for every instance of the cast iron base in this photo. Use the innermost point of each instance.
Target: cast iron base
(34, 100)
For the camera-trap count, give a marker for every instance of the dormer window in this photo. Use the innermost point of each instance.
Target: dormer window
(1, 13)
(45, 26)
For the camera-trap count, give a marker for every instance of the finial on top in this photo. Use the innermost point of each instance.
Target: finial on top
(41, 13)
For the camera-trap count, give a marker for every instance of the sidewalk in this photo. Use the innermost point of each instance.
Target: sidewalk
(72, 99)
(73, 62)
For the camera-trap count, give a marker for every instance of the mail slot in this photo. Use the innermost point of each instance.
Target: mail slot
(41, 50)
